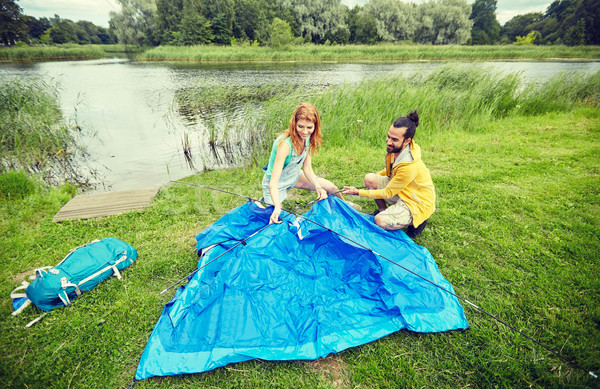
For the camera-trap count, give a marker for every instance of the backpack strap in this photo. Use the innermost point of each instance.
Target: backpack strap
(36, 320)
(112, 266)
(39, 272)
(16, 295)
(66, 284)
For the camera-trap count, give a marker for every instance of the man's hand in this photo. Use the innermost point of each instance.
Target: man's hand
(350, 190)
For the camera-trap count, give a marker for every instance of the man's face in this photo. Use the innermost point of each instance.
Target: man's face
(395, 139)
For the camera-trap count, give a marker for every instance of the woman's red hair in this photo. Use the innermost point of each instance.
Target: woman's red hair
(305, 111)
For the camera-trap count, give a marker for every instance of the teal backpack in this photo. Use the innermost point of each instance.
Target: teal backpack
(80, 271)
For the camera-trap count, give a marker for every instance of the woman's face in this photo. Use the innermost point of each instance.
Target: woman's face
(305, 128)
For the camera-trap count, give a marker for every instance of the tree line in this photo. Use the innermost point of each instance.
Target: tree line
(16, 27)
(568, 22)
(284, 22)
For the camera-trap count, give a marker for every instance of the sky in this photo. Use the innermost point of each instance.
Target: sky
(96, 11)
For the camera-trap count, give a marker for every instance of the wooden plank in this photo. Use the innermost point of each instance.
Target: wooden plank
(88, 206)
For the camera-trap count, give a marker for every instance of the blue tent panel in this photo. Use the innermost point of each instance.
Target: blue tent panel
(296, 290)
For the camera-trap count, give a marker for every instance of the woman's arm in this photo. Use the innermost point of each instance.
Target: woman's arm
(311, 176)
(283, 150)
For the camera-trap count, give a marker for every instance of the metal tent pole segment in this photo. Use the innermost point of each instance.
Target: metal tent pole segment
(574, 364)
(591, 373)
(243, 241)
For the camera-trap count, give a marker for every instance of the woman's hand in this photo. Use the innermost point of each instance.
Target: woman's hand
(275, 215)
(350, 190)
(321, 193)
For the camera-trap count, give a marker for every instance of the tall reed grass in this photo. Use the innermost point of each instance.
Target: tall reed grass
(383, 52)
(51, 53)
(32, 127)
(451, 98)
(211, 95)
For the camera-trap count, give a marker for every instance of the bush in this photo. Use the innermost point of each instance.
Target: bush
(15, 185)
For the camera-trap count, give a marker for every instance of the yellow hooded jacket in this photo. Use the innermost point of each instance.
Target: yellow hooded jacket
(411, 181)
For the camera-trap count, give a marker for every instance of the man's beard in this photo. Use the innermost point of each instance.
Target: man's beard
(393, 150)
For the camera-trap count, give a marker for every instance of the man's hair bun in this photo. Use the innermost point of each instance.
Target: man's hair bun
(414, 116)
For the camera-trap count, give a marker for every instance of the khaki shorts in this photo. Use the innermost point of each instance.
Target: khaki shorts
(397, 212)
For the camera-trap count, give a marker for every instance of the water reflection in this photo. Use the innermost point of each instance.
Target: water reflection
(138, 134)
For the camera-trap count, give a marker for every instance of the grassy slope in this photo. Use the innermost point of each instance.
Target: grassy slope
(516, 232)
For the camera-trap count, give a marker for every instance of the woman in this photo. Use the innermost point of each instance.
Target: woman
(290, 164)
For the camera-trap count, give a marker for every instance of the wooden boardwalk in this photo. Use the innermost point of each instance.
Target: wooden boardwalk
(88, 206)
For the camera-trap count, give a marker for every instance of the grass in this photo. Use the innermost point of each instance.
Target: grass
(32, 128)
(305, 53)
(382, 52)
(515, 232)
(50, 53)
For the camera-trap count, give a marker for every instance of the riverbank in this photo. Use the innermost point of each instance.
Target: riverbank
(515, 232)
(382, 52)
(63, 52)
(308, 53)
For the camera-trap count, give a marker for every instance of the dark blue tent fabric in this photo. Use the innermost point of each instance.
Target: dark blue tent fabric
(296, 290)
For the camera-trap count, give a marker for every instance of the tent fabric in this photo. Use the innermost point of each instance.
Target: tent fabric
(296, 291)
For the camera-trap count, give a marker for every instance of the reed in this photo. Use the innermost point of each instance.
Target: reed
(50, 53)
(212, 95)
(449, 99)
(33, 130)
(382, 52)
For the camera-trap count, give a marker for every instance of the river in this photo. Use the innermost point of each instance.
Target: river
(135, 135)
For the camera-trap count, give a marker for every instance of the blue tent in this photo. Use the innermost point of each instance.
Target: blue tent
(296, 290)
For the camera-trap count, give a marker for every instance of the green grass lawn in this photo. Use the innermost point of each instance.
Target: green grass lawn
(516, 232)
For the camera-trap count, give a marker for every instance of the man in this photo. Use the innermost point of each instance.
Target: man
(405, 184)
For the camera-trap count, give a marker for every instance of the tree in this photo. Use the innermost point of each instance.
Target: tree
(221, 29)
(442, 22)
(281, 33)
(527, 40)
(486, 29)
(135, 24)
(252, 19)
(195, 30)
(316, 17)
(220, 13)
(575, 35)
(37, 27)
(365, 28)
(520, 25)
(341, 35)
(589, 12)
(106, 38)
(12, 23)
(169, 14)
(62, 31)
(396, 21)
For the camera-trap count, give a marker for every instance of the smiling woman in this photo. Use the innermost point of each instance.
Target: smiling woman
(290, 164)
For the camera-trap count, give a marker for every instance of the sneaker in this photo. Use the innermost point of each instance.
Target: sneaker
(413, 232)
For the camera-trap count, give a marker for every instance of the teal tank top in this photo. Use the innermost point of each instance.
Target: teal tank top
(269, 168)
